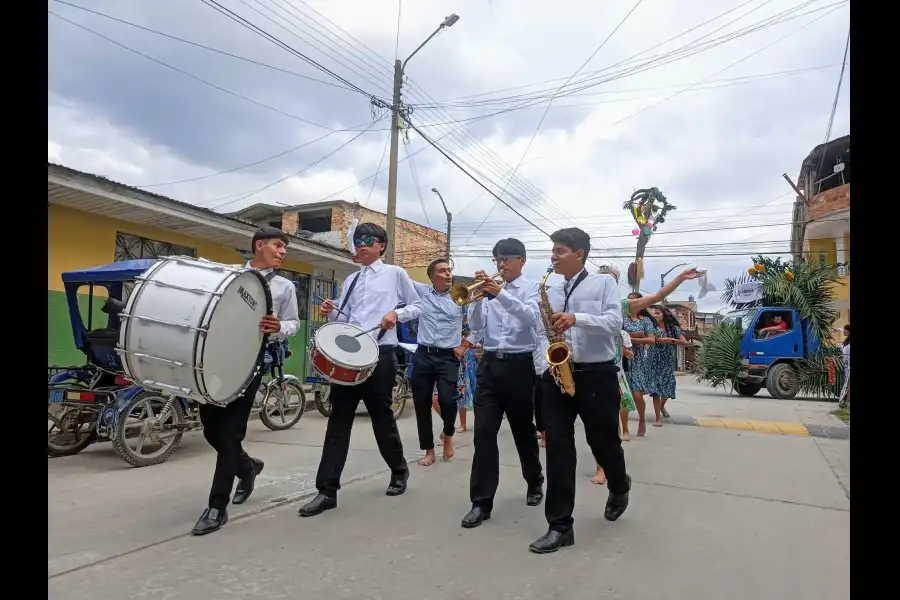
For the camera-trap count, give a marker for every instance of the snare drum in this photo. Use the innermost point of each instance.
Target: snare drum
(340, 357)
(191, 328)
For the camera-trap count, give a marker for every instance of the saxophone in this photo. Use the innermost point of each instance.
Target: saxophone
(559, 354)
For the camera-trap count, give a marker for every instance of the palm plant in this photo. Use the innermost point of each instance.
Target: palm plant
(805, 285)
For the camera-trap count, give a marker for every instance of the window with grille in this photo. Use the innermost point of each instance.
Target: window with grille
(301, 283)
(131, 247)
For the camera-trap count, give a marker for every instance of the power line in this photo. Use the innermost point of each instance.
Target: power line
(245, 195)
(203, 46)
(837, 95)
(191, 75)
(259, 31)
(255, 163)
(550, 103)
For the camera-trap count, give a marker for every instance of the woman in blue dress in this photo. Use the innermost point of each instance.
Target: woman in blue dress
(638, 323)
(661, 359)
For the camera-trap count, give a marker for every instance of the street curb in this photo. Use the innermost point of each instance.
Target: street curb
(834, 432)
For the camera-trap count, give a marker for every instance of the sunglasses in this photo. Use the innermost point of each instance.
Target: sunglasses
(367, 241)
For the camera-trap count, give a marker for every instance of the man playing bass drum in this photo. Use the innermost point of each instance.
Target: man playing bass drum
(586, 307)
(225, 428)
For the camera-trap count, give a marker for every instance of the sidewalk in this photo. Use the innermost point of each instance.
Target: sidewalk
(714, 514)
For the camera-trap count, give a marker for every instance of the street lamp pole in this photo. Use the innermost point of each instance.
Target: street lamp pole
(449, 218)
(399, 68)
(662, 278)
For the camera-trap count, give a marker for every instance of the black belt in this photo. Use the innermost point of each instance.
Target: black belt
(435, 349)
(507, 355)
(593, 366)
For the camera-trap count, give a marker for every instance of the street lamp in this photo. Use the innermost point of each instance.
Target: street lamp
(399, 67)
(662, 278)
(446, 212)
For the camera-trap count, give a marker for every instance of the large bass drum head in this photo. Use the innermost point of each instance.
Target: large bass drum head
(234, 340)
(338, 343)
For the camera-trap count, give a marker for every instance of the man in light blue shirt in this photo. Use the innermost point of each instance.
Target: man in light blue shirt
(436, 363)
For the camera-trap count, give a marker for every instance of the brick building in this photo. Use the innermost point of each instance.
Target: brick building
(685, 312)
(821, 219)
(327, 222)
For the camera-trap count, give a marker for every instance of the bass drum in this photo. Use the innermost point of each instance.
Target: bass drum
(191, 329)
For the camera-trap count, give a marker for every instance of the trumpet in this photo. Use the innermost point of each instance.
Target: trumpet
(462, 294)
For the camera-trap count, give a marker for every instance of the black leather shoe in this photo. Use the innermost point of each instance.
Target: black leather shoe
(317, 506)
(475, 517)
(211, 520)
(398, 484)
(617, 503)
(535, 494)
(552, 541)
(245, 486)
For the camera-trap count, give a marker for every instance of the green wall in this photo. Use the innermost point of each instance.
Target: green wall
(61, 350)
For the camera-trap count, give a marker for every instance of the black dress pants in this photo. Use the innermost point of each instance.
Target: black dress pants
(596, 401)
(505, 386)
(376, 393)
(435, 366)
(224, 429)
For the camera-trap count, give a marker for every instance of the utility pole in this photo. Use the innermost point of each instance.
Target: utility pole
(449, 219)
(396, 125)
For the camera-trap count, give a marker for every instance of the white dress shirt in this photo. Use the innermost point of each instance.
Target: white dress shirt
(508, 321)
(380, 289)
(284, 304)
(598, 316)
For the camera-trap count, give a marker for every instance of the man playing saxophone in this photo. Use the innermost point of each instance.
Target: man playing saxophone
(585, 312)
(507, 318)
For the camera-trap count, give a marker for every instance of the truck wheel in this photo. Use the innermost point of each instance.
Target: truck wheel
(748, 389)
(781, 382)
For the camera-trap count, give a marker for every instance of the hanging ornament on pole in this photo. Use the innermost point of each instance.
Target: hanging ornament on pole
(648, 208)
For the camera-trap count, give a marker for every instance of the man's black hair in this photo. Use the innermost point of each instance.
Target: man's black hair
(371, 230)
(433, 265)
(573, 238)
(266, 233)
(509, 247)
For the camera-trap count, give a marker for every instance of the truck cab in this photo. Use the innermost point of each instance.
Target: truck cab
(775, 337)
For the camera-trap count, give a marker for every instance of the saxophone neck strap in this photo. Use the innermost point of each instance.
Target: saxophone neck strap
(578, 280)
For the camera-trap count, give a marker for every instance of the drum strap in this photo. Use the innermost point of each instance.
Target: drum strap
(270, 276)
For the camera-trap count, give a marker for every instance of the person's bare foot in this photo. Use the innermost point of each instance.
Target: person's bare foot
(658, 423)
(543, 435)
(428, 459)
(625, 435)
(665, 413)
(448, 449)
(642, 428)
(599, 477)
(461, 430)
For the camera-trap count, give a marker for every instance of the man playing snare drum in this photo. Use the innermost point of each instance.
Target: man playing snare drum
(225, 428)
(368, 301)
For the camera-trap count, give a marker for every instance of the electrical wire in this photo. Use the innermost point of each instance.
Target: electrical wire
(192, 76)
(252, 164)
(203, 46)
(837, 95)
(244, 195)
(415, 178)
(550, 105)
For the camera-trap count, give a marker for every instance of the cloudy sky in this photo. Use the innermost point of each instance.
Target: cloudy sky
(710, 102)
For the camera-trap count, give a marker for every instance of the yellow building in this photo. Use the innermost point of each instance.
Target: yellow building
(821, 224)
(93, 221)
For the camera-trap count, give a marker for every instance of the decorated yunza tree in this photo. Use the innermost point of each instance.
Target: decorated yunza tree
(803, 285)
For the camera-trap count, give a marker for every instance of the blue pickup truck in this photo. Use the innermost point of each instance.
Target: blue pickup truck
(774, 339)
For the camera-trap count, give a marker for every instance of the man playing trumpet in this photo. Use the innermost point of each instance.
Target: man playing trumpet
(507, 318)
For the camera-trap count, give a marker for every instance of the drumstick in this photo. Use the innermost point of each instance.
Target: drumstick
(321, 299)
(368, 331)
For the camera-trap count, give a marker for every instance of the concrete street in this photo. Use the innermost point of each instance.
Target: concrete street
(714, 514)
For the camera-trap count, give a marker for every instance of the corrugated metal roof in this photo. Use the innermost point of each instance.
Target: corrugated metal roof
(117, 187)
